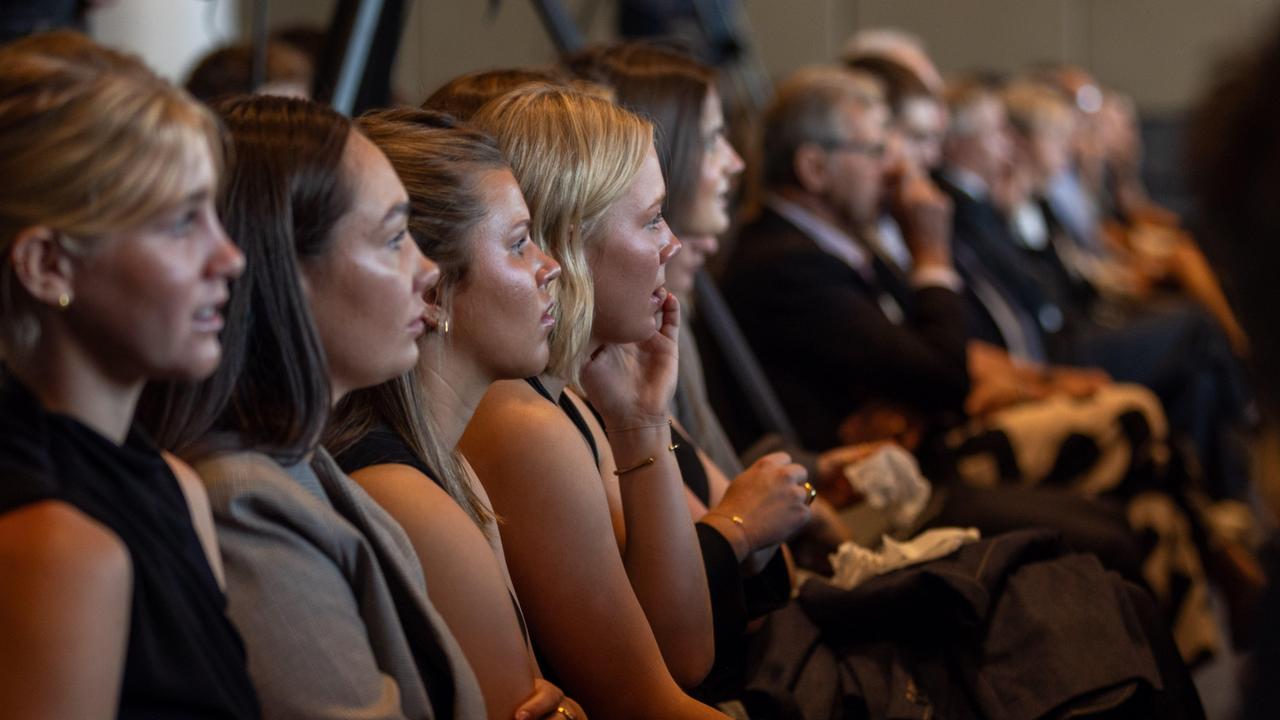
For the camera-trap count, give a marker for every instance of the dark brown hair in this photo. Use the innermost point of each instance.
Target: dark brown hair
(668, 87)
(285, 190)
(439, 161)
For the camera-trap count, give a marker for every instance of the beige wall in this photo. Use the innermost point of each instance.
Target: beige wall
(1157, 50)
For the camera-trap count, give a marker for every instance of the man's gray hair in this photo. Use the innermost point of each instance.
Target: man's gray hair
(804, 111)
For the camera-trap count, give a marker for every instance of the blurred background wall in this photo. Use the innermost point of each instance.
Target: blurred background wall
(1158, 51)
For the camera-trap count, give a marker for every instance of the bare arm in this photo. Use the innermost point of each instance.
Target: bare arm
(564, 560)
(660, 546)
(463, 580)
(64, 614)
(631, 386)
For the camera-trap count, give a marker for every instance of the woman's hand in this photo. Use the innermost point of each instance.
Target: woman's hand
(771, 499)
(548, 702)
(631, 385)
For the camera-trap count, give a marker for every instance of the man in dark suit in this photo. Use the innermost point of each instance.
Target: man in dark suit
(836, 333)
(1176, 349)
(805, 289)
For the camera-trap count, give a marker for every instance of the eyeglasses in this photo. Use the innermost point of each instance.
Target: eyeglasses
(875, 151)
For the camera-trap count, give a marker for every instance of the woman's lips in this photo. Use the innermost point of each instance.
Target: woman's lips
(208, 319)
(210, 322)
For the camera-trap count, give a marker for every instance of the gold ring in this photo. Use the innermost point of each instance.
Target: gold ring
(811, 492)
(562, 710)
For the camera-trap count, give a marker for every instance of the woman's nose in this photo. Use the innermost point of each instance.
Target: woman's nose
(735, 162)
(427, 275)
(669, 250)
(227, 260)
(550, 271)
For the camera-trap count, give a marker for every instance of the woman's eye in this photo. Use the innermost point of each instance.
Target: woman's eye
(183, 225)
(398, 239)
(656, 222)
(711, 141)
(519, 246)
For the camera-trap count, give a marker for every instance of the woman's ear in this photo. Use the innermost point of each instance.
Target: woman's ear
(435, 317)
(43, 265)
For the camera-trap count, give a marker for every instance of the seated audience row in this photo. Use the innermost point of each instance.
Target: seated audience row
(435, 438)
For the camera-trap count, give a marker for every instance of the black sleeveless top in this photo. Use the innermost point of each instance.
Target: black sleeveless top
(381, 446)
(184, 658)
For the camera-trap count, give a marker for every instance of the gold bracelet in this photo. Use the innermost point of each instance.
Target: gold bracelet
(645, 462)
(737, 520)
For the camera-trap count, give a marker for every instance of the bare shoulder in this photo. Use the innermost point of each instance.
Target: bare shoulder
(64, 613)
(50, 546)
(517, 431)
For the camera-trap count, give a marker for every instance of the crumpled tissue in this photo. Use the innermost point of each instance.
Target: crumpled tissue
(854, 564)
(890, 480)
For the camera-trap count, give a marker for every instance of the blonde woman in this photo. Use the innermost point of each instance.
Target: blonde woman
(115, 268)
(597, 534)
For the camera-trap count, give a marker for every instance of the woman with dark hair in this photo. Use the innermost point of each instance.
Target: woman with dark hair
(324, 585)
(115, 268)
(491, 313)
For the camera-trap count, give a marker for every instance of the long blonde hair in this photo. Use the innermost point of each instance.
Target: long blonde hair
(91, 143)
(574, 155)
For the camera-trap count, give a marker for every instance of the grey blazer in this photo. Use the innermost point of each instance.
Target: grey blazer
(314, 568)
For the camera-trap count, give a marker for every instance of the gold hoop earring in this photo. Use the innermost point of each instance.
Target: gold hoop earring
(64, 300)
(444, 327)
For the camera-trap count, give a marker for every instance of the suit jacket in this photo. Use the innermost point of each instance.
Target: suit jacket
(986, 252)
(330, 597)
(817, 326)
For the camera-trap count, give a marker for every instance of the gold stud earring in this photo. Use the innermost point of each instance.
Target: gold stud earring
(444, 327)
(64, 300)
